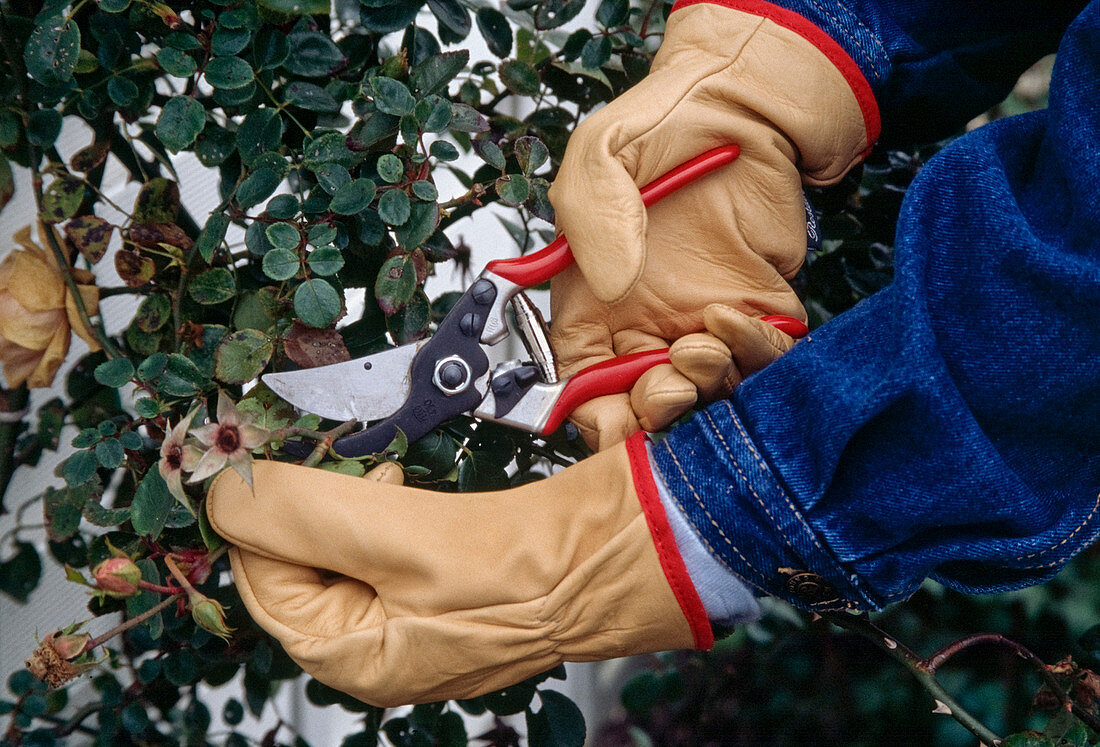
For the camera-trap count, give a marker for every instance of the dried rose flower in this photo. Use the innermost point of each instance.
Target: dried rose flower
(37, 312)
(231, 439)
(118, 577)
(61, 657)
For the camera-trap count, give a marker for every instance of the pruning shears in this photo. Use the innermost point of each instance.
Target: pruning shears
(417, 386)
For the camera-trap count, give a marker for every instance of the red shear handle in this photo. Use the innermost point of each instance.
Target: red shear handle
(546, 263)
(613, 376)
(618, 375)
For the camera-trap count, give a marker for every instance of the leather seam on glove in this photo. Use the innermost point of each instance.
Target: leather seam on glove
(667, 551)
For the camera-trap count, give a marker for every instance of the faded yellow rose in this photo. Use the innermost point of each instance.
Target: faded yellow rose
(37, 312)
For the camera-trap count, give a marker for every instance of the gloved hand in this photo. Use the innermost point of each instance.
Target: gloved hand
(397, 595)
(801, 113)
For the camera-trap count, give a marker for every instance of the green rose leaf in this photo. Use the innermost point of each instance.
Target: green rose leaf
(513, 189)
(465, 118)
(80, 467)
(332, 176)
(213, 233)
(7, 181)
(228, 72)
(313, 55)
(180, 122)
(496, 30)
(180, 377)
(410, 323)
(113, 6)
(317, 303)
(227, 41)
(394, 207)
(531, 154)
(453, 16)
(43, 127)
(425, 190)
(259, 133)
(443, 150)
(392, 96)
(297, 7)
(353, 197)
(151, 504)
(213, 286)
(19, 576)
(176, 62)
(519, 77)
(109, 453)
(257, 187)
(329, 147)
(563, 717)
(490, 153)
(242, 356)
(90, 234)
(431, 75)
(281, 264)
(283, 207)
(310, 96)
(326, 261)
(52, 50)
(596, 52)
(553, 13)
(283, 235)
(396, 283)
(115, 372)
(423, 219)
(612, 13)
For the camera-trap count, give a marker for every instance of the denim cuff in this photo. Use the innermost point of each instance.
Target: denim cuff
(741, 512)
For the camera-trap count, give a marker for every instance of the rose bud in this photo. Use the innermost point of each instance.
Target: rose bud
(118, 577)
(209, 615)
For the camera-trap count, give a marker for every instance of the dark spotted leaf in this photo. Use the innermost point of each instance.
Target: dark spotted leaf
(531, 153)
(90, 156)
(329, 147)
(90, 235)
(158, 201)
(156, 235)
(396, 283)
(410, 323)
(390, 168)
(134, 269)
(52, 50)
(242, 356)
(425, 190)
(421, 224)
(332, 176)
(180, 122)
(180, 377)
(62, 199)
(213, 286)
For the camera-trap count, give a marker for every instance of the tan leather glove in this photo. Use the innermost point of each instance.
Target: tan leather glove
(442, 595)
(733, 238)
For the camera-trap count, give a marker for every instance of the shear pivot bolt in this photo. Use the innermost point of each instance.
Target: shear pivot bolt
(452, 375)
(470, 324)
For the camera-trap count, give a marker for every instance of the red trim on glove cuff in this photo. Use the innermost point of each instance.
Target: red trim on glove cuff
(828, 46)
(667, 551)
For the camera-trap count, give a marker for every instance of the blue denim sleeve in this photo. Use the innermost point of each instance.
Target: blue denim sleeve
(948, 426)
(935, 64)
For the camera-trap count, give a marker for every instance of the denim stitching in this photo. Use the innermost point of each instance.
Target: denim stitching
(762, 580)
(1067, 538)
(763, 466)
(870, 57)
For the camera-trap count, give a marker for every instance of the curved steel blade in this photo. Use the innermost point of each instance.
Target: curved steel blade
(367, 388)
